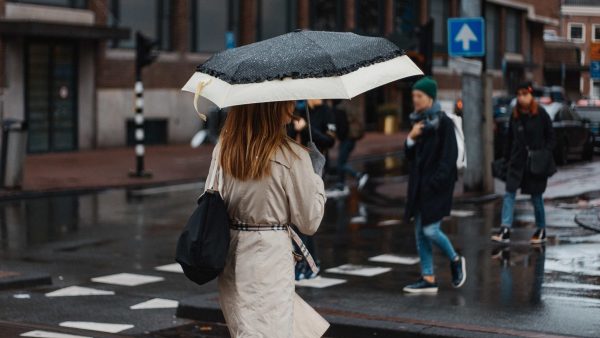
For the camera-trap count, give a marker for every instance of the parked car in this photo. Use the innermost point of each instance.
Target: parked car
(591, 112)
(573, 135)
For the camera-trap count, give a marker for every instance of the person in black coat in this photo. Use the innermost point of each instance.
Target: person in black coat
(322, 127)
(530, 129)
(431, 149)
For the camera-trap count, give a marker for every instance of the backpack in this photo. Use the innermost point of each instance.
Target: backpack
(203, 245)
(461, 160)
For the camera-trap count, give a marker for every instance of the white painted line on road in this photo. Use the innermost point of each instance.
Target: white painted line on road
(169, 188)
(358, 220)
(462, 213)
(156, 303)
(175, 267)
(78, 291)
(48, 334)
(389, 222)
(359, 270)
(320, 282)
(571, 286)
(22, 296)
(102, 327)
(127, 279)
(395, 259)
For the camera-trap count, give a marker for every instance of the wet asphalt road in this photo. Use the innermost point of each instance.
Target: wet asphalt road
(75, 238)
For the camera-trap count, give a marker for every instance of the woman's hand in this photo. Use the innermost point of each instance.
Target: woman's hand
(416, 130)
(299, 124)
(316, 158)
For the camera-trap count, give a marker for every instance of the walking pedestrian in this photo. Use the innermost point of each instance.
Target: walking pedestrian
(530, 133)
(267, 182)
(431, 147)
(350, 128)
(322, 124)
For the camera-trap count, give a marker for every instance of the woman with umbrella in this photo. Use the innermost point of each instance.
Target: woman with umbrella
(269, 182)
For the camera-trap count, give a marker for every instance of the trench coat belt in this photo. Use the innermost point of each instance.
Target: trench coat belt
(279, 227)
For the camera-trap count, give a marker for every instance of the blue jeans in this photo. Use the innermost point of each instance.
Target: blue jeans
(508, 209)
(346, 147)
(426, 235)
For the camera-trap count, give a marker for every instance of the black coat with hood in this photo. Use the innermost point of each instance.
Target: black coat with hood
(533, 130)
(433, 172)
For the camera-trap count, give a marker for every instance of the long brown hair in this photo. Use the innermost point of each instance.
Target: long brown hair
(251, 136)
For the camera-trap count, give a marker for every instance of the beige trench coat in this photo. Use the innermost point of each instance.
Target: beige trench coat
(256, 288)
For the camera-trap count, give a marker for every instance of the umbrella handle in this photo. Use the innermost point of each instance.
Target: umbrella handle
(310, 139)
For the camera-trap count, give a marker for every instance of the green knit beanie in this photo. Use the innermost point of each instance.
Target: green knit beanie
(427, 85)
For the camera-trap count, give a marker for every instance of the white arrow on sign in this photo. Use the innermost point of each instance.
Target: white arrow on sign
(466, 35)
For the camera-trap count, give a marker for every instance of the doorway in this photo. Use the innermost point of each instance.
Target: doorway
(51, 96)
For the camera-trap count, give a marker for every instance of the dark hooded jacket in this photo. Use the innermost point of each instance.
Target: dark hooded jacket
(432, 169)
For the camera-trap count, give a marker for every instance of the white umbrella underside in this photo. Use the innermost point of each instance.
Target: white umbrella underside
(346, 86)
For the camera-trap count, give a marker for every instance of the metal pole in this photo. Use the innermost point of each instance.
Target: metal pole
(472, 94)
(310, 139)
(139, 135)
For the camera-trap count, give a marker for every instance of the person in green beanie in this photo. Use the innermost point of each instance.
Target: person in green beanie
(431, 149)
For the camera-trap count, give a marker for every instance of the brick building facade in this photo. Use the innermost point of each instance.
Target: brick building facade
(68, 66)
(580, 24)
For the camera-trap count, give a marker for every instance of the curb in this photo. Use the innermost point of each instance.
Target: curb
(26, 280)
(589, 219)
(351, 324)
(27, 194)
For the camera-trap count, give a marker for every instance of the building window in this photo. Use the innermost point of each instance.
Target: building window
(369, 17)
(439, 11)
(327, 15)
(576, 32)
(492, 36)
(59, 3)
(596, 33)
(513, 31)
(406, 15)
(149, 17)
(211, 22)
(275, 17)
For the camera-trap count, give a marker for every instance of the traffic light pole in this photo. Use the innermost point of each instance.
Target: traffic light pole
(140, 150)
(472, 95)
(144, 56)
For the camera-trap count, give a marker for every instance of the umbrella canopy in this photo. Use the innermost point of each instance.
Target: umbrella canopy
(300, 65)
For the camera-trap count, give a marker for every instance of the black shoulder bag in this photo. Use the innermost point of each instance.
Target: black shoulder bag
(203, 245)
(540, 162)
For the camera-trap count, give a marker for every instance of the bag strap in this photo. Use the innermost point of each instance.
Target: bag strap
(216, 175)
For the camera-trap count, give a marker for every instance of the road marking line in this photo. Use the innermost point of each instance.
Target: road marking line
(175, 267)
(78, 291)
(48, 334)
(102, 327)
(359, 270)
(127, 279)
(320, 282)
(156, 303)
(395, 259)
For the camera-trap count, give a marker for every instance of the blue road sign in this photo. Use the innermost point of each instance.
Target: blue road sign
(595, 69)
(466, 37)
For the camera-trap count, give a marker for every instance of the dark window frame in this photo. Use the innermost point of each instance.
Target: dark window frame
(159, 29)
(340, 22)
(291, 11)
(233, 10)
(380, 18)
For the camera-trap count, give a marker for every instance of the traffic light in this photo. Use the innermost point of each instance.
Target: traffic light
(145, 51)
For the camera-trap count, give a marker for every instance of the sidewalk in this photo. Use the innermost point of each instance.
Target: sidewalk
(169, 164)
